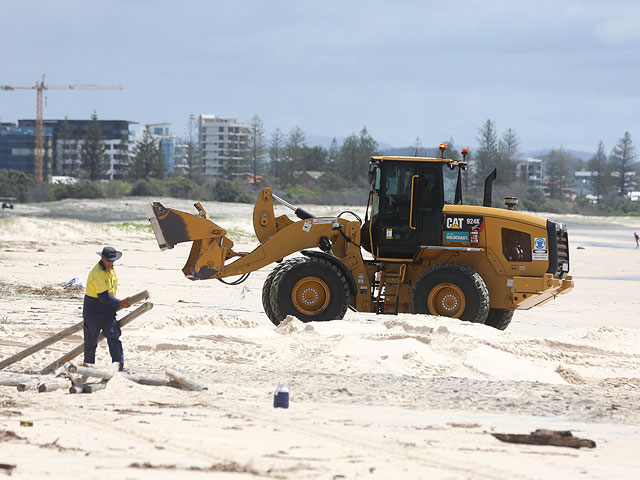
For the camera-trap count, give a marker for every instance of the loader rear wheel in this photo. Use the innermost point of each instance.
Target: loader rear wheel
(310, 288)
(451, 290)
(266, 292)
(499, 318)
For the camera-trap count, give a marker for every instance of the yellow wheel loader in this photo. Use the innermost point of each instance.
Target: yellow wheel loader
(424, 250)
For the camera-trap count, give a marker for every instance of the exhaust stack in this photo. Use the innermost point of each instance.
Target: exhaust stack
(488, 188)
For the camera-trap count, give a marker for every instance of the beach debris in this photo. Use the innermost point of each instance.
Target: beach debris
(52, 385)
(185, 383)
(31, 385)
(14, 381)
(175, 380)
(104, 374)
(8, 468)
(89, 387)
(558, 438)
(26, 423)
(75, 281)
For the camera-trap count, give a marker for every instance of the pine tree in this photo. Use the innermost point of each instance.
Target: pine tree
(506, 158)
(485, 157)
(95, 163)
(348, 163)
(293, 154)
(558, 173)
(276, 145)
(600, 172)
(256, 145)
(623, 158)
(191, 153)
(148, 161)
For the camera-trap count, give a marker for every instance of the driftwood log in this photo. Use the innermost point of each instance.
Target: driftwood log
(154, 382)
(138, 297)
(51, 385)
(559, 438)
(23, 387)
(14, 381)
(91, 372)
(88, 387)
(52, 367)
(182, 380)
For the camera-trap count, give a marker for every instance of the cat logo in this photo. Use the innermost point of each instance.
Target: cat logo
(453, 223)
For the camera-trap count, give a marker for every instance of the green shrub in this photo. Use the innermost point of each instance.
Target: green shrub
(14, 183)
(115, 189)
(147, 188)
(75, 190)
(182, 187)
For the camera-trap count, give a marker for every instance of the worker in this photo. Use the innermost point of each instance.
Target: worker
(100, 305)
(637, 238)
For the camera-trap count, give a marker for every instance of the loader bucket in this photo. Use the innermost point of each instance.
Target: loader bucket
(173, 226)
(210, 247)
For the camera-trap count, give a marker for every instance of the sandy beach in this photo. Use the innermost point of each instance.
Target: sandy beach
(374, 397)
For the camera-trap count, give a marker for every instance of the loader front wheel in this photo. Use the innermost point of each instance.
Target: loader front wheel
(499, 318)
(451, 290)
(266, 294)
(309, 288)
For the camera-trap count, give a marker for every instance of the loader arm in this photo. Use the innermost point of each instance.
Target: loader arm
(280, 237)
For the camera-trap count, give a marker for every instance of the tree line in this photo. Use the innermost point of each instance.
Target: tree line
(279, 158)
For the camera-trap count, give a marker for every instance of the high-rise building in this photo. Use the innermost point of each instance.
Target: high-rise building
(224, 146)
(68, 137)
(161, 133)
(18, 145)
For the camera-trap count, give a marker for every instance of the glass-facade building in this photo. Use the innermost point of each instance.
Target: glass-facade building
(18, 145)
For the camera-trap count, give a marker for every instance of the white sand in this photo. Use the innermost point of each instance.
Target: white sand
(371, 396)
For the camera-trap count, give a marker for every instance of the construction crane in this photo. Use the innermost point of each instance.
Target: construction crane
(39, 87)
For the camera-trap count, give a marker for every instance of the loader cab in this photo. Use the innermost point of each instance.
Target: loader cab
(407, 196)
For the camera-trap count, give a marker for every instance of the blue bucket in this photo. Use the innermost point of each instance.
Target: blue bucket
(281, 396)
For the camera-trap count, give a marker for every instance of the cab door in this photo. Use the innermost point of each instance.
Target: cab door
(409, 210)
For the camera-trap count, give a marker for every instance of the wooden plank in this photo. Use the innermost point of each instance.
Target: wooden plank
(40, 345)
(52, 367)
(62, 334)
(182, 380)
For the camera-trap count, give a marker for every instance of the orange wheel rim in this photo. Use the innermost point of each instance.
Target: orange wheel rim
(446, 300)
(311, 296)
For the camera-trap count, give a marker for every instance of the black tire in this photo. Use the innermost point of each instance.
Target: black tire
(499, 318)
(451, 290)
(266, 292)
(309, 288)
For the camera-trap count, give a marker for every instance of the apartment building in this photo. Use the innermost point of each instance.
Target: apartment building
(68, 137)
(224, 146)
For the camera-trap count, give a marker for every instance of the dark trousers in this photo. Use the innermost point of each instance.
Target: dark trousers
(111, 332)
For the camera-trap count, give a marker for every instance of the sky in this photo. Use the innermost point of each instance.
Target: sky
(559, 73)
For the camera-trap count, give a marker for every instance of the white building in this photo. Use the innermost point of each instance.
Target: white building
(531, 170)
(224, 146)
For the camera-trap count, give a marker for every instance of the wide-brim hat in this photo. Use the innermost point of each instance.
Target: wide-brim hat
(110, 253)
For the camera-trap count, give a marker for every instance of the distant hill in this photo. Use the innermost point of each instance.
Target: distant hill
(577, 153)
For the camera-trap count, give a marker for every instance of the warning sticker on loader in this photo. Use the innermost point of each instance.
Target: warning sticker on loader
(540, 251)
(306, 226)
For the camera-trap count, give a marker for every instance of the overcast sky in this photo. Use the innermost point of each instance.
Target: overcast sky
(559, 73)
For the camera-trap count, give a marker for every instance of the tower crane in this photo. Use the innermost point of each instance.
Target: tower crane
(39, 87)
